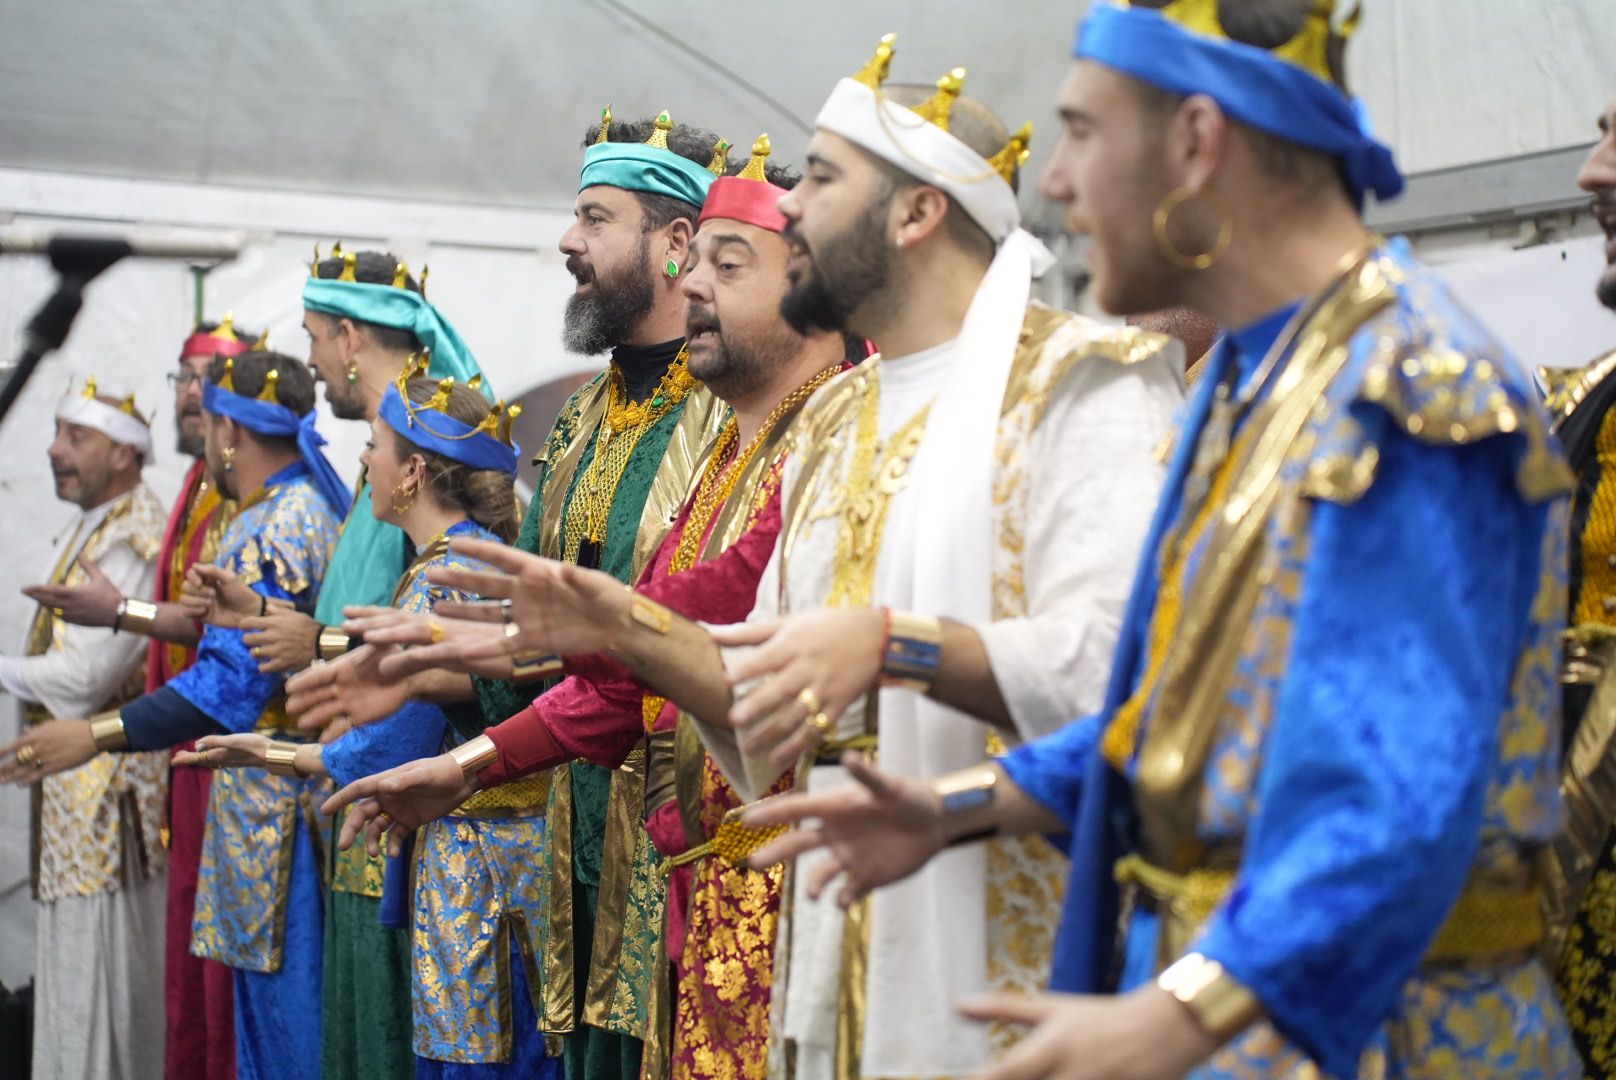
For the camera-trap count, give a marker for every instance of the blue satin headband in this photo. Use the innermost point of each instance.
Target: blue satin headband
(1252, 85)
(639, 167)
(443, 434)
(400, 309)
(275, 420)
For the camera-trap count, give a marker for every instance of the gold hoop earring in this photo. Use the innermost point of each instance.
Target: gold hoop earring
(228, 457)
(1164, 212)
(409, 499)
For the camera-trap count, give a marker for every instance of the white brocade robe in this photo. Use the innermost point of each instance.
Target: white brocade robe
(1075, 480)
(100, 861)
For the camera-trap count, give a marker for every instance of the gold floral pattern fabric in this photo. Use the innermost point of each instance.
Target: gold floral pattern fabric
(245, 877)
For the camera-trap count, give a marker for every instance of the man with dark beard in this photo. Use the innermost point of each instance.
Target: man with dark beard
(1583, 874)
(200, 1017)
(615, 468)
(720, 928)
(960, 517)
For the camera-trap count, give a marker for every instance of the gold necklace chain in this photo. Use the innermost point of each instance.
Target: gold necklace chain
(619, 433)
(718, 480)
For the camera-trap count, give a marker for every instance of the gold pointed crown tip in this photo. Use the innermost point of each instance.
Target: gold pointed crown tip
(227, 381)
(720, 160)
(940, 108)
(1014, 155)
(227, 327)
(874, 73)
(89, 391)
(757, 168)
(604, 134)
(270, 392)
(127, 405)
(659, 130)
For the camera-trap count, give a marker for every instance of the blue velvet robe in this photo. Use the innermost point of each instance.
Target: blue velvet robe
(1391, 730)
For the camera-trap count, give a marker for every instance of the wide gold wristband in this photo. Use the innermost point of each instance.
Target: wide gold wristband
(1222, 1005)
(331, 643)
(136, 616)
(528, 666)
(281, 759)
(475, 756)
(913, 651)
(108, 734)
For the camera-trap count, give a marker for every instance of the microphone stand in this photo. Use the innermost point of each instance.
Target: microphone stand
(77, 261)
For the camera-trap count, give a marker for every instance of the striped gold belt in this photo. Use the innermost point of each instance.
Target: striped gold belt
(1488, 922)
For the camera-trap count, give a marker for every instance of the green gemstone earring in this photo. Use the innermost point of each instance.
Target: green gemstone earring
(671, 268)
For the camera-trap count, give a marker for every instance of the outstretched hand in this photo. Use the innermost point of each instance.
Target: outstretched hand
(92, 603)
(874, 832)
(240, 750)
(46, 749)
(390, 804)
(1142, 1035)
(831, 656)
(350, 691)
(412, 642)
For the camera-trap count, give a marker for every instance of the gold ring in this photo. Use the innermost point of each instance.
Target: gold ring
(436, 631)
(819, 722)
(809, 700)
(385, 820)
(257, 652)
(27, 755)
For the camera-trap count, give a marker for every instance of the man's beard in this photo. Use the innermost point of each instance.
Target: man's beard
(846, 272)
(192, 445)
(349, 404)
(1606, 289)
(735, 368)
(595, 323)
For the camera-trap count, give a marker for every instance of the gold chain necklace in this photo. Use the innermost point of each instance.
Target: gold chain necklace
(584, 531)
(718, 480)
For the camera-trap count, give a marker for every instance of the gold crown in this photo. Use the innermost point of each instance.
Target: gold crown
(939, 108)
(500, 416)
(720, 160)
(227, 381)
(262, 343)
(350, 260)
(227, 327)
(760, 157)
(1308, 50)
(90, 392)
(604, 135)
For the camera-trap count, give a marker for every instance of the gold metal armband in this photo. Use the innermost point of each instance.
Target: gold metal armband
(914, 651)
(475, 756)
(1220, 1004)
(136, 616)
(331, 643)
(281, 759)
(107, 732)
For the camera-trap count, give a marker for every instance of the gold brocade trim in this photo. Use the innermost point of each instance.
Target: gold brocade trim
(1569, 387)
(557, 1015)
(1198, 662)
(558, 480)
(1588, 790)
(1596, 596)
(692, 440)
(206, 512)
(614, 914)
(852, 989)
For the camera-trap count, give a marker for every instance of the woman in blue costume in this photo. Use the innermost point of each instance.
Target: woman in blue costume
(440, 466)
(1327, 764)
(258, 905)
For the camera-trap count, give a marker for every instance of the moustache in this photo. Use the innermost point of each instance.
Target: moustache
(699, 320)
(579, 270)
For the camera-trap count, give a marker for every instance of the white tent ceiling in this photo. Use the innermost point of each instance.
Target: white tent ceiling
(485, 101)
